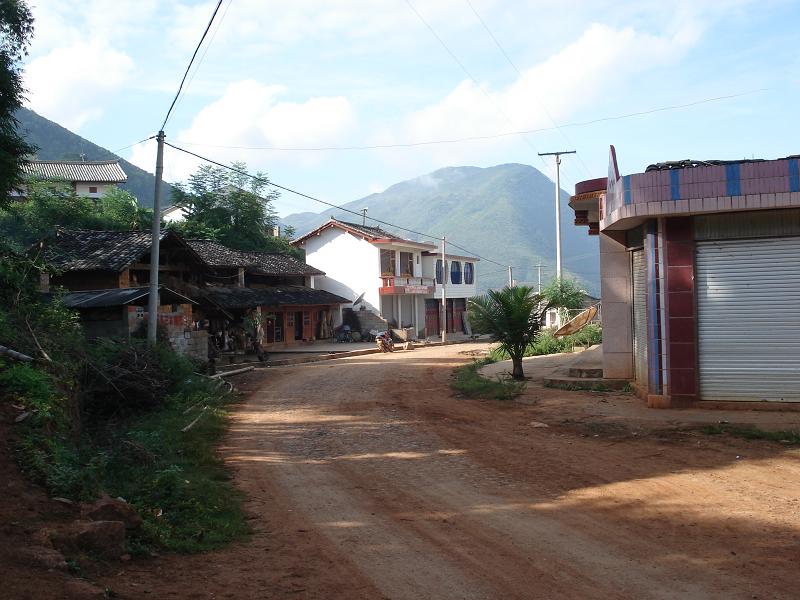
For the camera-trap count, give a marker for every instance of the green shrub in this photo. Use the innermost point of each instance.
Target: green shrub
(547, 343)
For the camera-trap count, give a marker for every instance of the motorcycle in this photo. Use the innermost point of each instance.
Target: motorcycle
(384, 342)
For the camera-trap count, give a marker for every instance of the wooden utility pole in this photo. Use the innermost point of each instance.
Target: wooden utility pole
(153, 300)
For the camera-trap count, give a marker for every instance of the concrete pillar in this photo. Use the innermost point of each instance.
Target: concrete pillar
(399, 312)
(416, 317)
(241, 277)
(615, 291)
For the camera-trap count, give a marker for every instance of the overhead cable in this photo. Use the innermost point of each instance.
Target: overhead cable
(189, 66)
(326, 203)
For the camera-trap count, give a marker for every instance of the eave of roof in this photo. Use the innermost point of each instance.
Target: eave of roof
(285, 295)
(98, 171)
(121, 297)
(266, 263)
(374, 235)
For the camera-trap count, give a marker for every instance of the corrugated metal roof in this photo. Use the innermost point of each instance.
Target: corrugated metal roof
(267, 263)
(283, 295)
(121, 297)
(85, 171)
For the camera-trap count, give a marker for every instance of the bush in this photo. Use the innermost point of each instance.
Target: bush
(470, 383)
(547, 343)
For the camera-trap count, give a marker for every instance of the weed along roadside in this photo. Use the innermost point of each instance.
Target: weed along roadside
(469, 382)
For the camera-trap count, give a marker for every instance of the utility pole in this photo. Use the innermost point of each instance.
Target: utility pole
(153, 299)
(510, 276)
(539, 266)
(558, 205)
(444, 291)
(364, 215)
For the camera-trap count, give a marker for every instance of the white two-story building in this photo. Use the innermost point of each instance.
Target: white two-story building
(397, 279)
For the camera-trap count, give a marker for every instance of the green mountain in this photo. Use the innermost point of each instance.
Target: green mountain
(54, 142)
(505, 213)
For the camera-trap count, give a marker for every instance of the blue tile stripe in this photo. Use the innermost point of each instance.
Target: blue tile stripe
(733, 180)
(794, 175)
(626, 182)
(675, 184)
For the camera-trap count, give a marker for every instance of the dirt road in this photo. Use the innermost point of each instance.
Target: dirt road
(367, 478)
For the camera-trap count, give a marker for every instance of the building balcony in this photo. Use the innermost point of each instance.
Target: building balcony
(392, 285)
(457, 290)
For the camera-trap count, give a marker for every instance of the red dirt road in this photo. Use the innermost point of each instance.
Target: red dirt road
(367, 478)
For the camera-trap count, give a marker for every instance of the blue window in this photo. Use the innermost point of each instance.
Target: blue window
(455, 271)
(469, 273)
(439, 272)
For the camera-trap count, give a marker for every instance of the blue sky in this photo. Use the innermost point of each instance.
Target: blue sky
(312, 73)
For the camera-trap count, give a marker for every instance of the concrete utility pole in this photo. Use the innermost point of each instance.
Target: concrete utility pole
(364, 215)
(443, 326)
(510, 276)
(539, 266)
(558, 205)
(153, 300)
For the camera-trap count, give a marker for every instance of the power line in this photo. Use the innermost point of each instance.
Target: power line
(205, 51)
(147, 139)
(336, 206)
(479, 137)
(535, 97)
(189, 66)
(475, 81)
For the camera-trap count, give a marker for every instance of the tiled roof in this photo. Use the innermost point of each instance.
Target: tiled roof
(373, 233)
(283, 295)
(267, 263)
(121, 297)
(105, 171)
(84, 250)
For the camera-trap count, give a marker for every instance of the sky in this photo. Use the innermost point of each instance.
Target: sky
(276, 79)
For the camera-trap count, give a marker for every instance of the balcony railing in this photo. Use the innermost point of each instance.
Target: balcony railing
(406, 285)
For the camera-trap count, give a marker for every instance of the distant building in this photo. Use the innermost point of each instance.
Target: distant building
(700, 279)
(397, 279)
(87, 178)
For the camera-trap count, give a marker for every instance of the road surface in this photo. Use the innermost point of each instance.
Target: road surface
(368, 478)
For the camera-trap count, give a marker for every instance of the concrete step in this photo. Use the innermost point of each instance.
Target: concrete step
(586, 383)
(586, 372)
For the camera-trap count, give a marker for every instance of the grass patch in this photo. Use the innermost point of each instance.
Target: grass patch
(176, 480)
(467, 381)
(576, 387)
(753, 433)
(547, 343)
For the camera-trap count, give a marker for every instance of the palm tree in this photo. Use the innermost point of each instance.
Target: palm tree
(512, 315)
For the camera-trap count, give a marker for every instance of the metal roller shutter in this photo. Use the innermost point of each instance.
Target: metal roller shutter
(639, 276)
(748, 318)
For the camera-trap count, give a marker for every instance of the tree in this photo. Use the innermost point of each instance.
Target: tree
(231, 208)
(565, 295)
(51, 204)
(16, 29)
(512, 316)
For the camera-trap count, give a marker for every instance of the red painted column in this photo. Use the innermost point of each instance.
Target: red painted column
(681, 324)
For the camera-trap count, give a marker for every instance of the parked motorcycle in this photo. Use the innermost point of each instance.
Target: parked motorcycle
(384, 342)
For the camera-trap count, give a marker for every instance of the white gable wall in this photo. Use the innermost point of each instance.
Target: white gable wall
(351, 265)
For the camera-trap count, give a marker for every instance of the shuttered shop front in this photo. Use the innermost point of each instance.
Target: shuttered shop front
(639, 278)
(748, 311)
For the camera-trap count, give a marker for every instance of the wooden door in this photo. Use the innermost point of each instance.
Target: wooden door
(308, 327)
(432, 317)
(459, 308)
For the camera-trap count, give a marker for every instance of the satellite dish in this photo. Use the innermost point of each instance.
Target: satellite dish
(359, 299)
(577, 323)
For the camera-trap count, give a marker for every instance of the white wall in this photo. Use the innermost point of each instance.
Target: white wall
(460, 290)
(82, 189)
(351, 265)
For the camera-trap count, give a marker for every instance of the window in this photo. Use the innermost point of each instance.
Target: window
(387, 263)
(439, 272)
(92, 189)
(469, 273)
(406, 264)
(455, 271)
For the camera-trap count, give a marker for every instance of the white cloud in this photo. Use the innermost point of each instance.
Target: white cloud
(70, 84)
(252, 114)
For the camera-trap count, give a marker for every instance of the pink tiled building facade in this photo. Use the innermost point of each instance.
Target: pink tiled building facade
(700, 279)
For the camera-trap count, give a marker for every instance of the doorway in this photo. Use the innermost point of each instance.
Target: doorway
(298, 325)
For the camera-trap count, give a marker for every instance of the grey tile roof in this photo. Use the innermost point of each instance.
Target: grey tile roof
(136, 296)
(105, 171)
(282, 295)
(266, 263)
(85, 250)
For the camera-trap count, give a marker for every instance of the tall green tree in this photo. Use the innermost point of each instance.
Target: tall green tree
(512, 316)
(16, 30)
(231, 208)
(565, 295)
